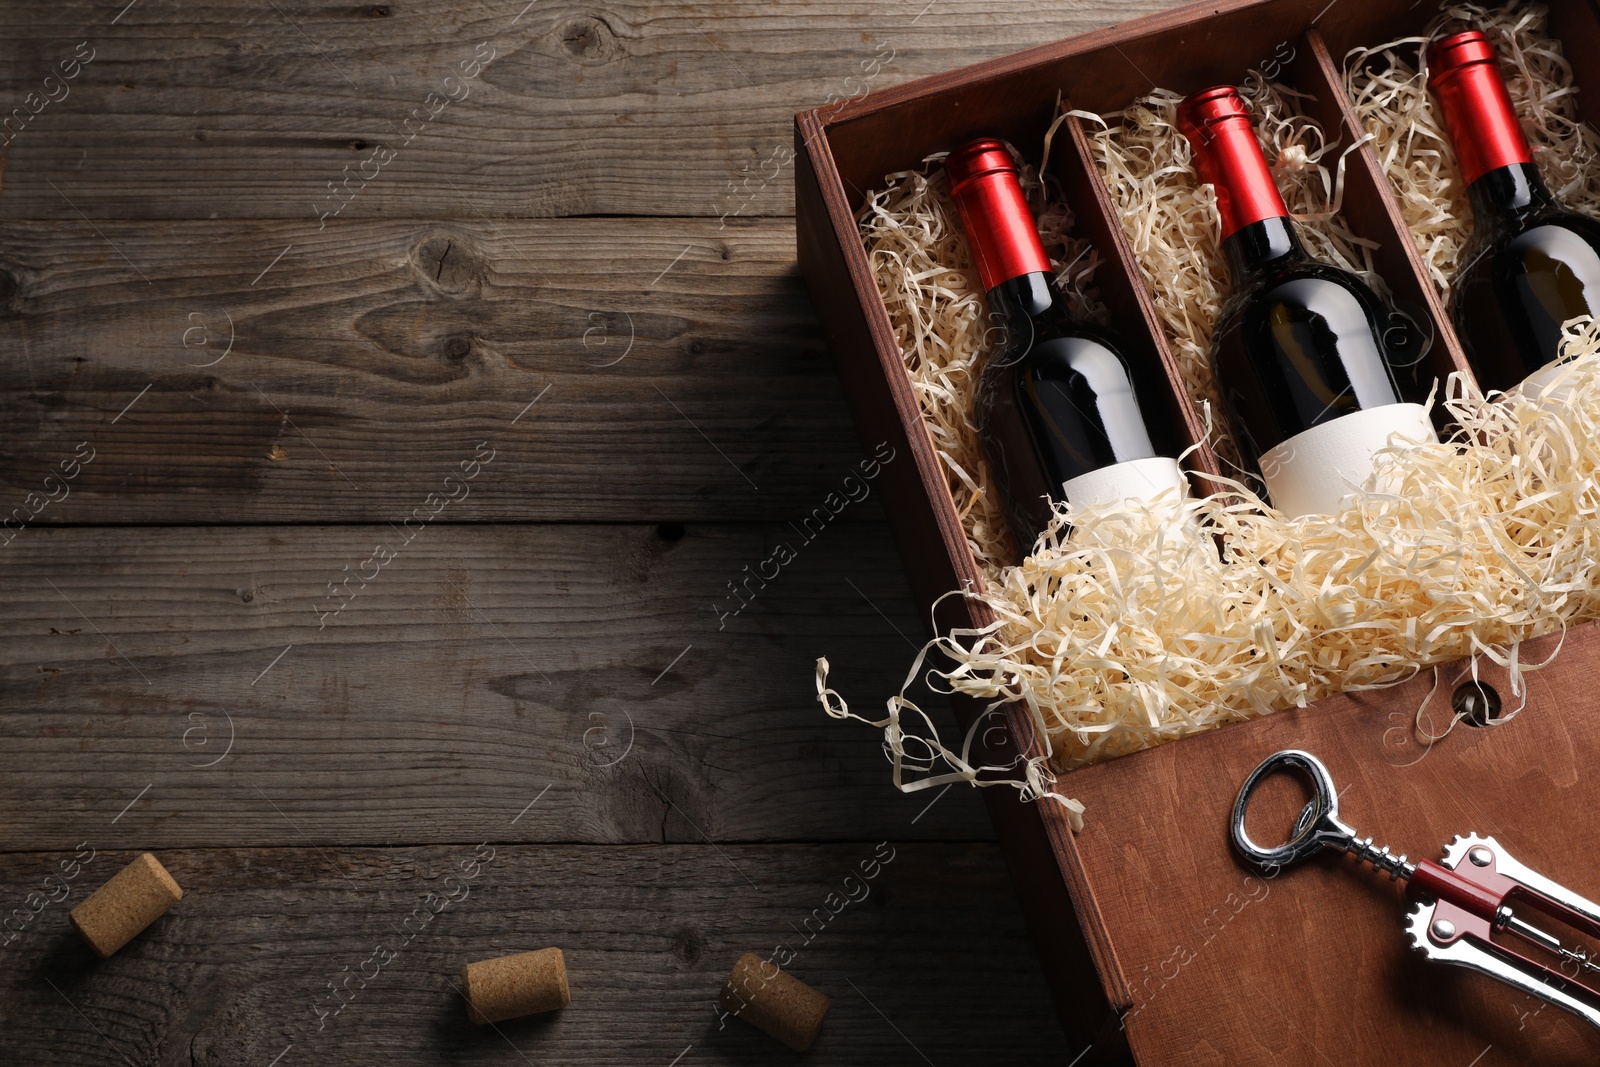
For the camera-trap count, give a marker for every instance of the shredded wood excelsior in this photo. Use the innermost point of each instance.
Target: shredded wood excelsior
(1132, 632)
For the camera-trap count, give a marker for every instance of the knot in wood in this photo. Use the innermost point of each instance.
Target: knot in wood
(688, 944)
(590, 40)
(447, 263)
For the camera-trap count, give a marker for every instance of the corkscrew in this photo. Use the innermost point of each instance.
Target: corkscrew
(1458, 905)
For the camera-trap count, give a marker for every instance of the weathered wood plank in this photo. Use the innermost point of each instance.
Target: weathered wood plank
(687, 376)
(637, 107)
(239, 970)
(479, 668)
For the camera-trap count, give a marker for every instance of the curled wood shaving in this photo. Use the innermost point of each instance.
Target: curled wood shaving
(1388, 85)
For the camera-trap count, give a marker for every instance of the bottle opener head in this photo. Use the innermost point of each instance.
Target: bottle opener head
(1318, 826)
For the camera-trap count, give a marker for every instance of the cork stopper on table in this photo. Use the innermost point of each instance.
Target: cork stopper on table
(511, 986)
(773, 1002)
(118, 911)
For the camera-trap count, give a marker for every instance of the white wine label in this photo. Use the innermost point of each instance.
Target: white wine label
(1140, 480)
(1312, 473)
(1547, 383)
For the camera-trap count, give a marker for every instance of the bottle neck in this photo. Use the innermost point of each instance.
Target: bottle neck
(1022, 311)
(1027, 295)
(1254, 248)
(1509, 194)
(1228, 157)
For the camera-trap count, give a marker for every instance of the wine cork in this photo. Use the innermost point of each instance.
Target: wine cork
(118, 911)
(525, 984)
(773, 1002)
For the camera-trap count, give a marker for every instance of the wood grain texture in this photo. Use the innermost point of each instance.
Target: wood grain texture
(169, 209)
(482, 667)
(633, 107)
(687, 377)
(240, 969)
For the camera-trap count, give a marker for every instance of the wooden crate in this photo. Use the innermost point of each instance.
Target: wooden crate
(1156, 938)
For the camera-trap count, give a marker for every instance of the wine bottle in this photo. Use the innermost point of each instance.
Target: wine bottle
(1055, 405)
(1299, 352)
(1531, 265)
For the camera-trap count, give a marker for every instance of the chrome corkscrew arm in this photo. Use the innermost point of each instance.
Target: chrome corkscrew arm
(1459, 903)
(1447, 933)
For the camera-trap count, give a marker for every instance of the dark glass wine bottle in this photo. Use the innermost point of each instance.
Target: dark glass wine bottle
(1055, 406)
(1299, 352)
(1531, 265)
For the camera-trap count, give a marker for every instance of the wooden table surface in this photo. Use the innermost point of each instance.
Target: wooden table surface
(391, 393)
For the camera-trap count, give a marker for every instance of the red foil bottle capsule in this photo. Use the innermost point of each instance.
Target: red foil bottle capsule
(1465, 75)
(1228, 157)
(994, 213)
